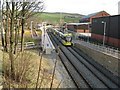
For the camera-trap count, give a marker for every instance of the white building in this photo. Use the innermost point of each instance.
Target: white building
(119, 7)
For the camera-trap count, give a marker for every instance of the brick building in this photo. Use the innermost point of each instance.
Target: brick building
(84, 25)
(78, 27)
(107, 30)
(89, 17)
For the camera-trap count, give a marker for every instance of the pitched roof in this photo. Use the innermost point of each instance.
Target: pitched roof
(90, 15)
(78, 23)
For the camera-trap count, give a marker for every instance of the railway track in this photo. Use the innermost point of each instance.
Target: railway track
(100, 68)
(75, 76)
(82, 72)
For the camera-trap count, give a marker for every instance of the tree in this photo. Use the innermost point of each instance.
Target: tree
(35, 21)
(28, 10)
(13, 13)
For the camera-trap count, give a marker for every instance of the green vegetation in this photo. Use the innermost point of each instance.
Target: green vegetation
(30, 40)
(55, 17)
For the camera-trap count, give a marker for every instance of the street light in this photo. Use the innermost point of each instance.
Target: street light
(31, 29)
(65, 26)
(88, 30)
(104, 32)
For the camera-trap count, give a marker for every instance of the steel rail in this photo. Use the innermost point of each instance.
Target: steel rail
(100, 68)
(103, 78)
(96, 72)
(75, 76)
(100, 84)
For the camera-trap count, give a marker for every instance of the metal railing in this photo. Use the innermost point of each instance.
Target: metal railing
(98, 47)
(28, 45)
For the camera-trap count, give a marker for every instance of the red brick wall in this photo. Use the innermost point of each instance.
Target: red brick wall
(81, 28)
(71, 27)
(87, 31)
(111, 41)
(100, 15)
(82, 31)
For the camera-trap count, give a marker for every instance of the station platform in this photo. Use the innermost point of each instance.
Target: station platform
(46, 44)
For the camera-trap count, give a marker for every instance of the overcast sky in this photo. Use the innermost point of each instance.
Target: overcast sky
(82, 6)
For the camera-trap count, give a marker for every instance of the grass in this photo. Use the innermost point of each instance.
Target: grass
(56, 17)
(30, 40)
(30, 59)
(39, 32)
(46, 69)
(0, 43)
(27, 32)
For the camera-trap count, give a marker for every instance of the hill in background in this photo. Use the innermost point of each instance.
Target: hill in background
(54, 17)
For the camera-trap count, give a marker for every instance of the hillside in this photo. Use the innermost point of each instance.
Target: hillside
(54, 17)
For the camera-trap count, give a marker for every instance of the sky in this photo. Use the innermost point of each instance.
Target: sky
(84, 7)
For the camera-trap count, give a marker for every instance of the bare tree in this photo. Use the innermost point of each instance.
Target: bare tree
(1, 29)
(12, 14)
(12, 11)
(28, 10)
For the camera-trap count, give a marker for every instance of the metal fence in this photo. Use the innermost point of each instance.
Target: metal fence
(29, 45)
(99, 47)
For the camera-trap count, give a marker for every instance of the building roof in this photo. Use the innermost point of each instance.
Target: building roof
(90, 15)
(78, 23)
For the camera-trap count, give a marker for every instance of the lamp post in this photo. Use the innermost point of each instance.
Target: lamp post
(60, 19)
(31, 29)
(89, 31)
(104, 32)
(65, 27)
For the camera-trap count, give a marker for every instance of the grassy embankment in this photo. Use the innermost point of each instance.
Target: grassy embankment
(26, 67)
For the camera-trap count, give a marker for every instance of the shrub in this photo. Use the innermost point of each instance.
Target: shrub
(22, 65)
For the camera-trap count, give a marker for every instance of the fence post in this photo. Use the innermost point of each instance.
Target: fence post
(26, 44)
